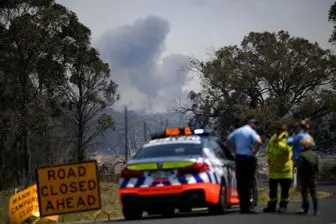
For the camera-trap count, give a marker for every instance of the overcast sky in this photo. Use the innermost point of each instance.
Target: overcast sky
(146, 42)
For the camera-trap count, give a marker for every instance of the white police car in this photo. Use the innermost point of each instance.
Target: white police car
(178, 169)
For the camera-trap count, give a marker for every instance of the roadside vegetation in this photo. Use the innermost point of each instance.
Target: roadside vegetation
(55, 90)
(111, 208)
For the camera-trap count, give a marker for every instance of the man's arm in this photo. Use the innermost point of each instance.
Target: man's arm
(257, 139)
(292, 140)
(256, 147)
(267, 149)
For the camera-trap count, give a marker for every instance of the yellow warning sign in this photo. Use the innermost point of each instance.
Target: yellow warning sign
(68, 188)
(24, 205)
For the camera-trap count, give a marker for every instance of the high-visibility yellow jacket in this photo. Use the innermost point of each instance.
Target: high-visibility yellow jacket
(279, 156)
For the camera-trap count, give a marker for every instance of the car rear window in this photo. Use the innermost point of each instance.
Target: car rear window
(168, 150)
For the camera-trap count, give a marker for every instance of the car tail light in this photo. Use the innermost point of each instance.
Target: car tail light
(195, 168)
(127, 173)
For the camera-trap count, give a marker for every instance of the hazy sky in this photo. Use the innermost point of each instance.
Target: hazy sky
(147, 42)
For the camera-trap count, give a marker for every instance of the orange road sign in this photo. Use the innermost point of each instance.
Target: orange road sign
(68, 188)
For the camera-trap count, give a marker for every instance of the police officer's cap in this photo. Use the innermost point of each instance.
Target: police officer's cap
(252, 120)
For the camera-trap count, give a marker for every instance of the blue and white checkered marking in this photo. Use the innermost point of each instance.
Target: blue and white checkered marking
(215, 175)
(173, 180)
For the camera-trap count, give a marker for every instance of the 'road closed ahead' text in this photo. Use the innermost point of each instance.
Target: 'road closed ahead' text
(68, 188)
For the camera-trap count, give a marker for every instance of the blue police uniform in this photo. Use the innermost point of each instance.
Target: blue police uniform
(244, 138)
(295, 142)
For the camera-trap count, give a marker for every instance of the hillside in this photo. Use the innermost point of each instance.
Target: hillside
(113, 141)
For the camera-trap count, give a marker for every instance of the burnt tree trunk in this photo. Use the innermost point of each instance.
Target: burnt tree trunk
(81, 126)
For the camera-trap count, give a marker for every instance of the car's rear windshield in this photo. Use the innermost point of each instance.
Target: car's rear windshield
(168, 150)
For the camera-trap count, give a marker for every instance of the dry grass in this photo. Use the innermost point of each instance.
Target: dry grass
(293, 195)
(111, 205)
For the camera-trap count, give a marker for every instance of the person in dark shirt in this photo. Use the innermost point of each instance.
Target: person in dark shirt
(308, 167)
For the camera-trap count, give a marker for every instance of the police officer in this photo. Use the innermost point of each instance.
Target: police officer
(246, 142)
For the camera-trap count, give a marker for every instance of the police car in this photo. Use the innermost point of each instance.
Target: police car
(178, 169)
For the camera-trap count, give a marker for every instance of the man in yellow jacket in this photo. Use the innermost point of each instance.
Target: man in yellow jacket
(279, 156)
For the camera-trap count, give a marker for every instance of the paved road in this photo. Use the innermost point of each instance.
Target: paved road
(328, 215)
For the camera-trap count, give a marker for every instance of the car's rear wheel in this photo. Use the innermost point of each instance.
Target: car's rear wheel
(132, 213)
(153, 212)
(185, 209)
(220, 207)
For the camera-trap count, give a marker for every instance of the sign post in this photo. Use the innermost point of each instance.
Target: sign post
(68, 188)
